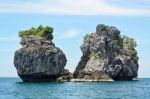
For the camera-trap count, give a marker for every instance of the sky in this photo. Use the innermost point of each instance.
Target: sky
(71, 20)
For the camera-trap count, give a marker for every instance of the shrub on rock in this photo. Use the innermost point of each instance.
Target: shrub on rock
(41, 31)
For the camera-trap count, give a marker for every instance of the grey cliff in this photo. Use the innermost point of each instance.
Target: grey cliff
(103, 59)
(39, 60)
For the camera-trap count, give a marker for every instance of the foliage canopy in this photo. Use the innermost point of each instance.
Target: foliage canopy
(42, 31)
(129, 42)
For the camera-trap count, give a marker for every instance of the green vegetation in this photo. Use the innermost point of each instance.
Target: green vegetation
(135, 59)
(129, 44)
(41, 31)
(94, 56)
(89, 37)
(125, 41)
(118, 42)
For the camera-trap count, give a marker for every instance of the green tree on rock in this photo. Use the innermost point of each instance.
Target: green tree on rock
(44, 32)
(129, 42)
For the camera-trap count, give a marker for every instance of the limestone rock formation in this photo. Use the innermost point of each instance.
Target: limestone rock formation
(39, 60)
(107, 56)
(65, 77)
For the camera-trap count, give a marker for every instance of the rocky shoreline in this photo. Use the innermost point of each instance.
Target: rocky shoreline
(92, 80)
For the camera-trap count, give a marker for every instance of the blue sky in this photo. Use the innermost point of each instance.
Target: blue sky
(71, 20)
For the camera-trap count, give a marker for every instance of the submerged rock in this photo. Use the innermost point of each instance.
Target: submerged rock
(107, 56)
(39, 60)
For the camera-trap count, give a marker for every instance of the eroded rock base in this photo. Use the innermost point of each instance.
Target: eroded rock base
(38, 78)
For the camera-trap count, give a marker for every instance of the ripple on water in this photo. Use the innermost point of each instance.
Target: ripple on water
(12, 88)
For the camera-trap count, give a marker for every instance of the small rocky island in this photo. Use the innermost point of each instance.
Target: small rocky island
(107, 56)
(39, 59)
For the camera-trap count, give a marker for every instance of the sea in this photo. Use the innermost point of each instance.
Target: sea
(14, 88)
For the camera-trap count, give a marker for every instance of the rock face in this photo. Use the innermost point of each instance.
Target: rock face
(105, 57)
(65, 77)
(39, 60)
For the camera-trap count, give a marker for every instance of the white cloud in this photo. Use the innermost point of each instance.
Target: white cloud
(9, 38)
(72, 7)
(72, 33)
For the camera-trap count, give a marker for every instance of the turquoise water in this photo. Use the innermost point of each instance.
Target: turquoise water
(14, 88)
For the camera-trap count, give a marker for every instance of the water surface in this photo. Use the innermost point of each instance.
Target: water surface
(14, 88)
